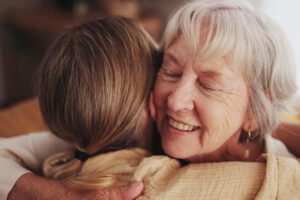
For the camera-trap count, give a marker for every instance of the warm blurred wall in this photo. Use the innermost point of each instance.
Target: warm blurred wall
(162, 6)
(2, 92)
(7, 6)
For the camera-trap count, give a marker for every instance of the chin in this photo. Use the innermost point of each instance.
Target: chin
(174, 151)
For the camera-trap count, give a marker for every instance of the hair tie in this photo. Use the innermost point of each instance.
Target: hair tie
(80, 155)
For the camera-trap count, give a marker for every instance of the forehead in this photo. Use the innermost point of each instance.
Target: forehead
(180, 52)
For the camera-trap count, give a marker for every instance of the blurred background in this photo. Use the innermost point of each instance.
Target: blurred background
(28, 27)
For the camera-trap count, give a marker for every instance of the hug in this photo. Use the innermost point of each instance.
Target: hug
(195, 124)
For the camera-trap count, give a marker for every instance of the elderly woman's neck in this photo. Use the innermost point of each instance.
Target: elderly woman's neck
(233, 150)
(245, 151)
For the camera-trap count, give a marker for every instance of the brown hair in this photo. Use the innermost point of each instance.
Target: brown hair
(94, 83)
(93, 92)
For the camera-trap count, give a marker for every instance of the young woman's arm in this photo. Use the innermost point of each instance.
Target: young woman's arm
(22, 155)
(30, 186)
(289, 133)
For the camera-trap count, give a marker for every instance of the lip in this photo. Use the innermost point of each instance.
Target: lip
(171, 131)
(180, 121)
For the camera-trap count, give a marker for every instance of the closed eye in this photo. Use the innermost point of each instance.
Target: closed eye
(205, 86)
(169, 75)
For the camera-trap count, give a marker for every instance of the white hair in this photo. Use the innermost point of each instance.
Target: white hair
(216, 28)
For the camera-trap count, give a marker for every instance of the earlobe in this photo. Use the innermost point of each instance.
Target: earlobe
(152, 107)
(250, 123)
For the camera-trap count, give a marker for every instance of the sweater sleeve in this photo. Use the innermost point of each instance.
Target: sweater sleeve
(25, 154)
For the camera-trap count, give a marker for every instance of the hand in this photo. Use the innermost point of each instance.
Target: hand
(30, 186)
(129, 192)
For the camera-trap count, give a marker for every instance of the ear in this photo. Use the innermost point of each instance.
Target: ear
(152, 107)
(250, 123)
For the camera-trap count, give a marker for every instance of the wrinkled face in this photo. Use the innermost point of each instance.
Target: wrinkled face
(199, 104)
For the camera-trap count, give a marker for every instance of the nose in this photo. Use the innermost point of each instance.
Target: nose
(181, 97)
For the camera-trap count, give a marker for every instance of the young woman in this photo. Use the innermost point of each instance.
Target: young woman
(93, 92)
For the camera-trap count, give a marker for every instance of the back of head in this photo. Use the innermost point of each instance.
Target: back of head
(94, 83)
(217, 28)
(93, 92)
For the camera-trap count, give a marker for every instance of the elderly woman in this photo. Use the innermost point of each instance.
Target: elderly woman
(225, 77)
(226, 74)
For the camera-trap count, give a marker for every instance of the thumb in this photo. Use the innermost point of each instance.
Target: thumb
(128, 192)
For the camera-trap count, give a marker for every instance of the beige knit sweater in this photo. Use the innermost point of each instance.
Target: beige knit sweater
(273, 178)
(277, 178)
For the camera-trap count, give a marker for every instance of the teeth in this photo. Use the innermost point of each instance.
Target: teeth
(180, 126)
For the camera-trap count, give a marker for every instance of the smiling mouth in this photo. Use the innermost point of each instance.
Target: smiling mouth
(181, 126)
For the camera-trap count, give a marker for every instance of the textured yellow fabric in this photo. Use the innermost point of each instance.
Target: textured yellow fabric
(277, 178)
(273, 178)
(227, 180)
(282, 179)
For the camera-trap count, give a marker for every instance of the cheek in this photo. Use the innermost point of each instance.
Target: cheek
(224, 112)
(211, 114)
(161, 92)
(144, 139)
(234, 110)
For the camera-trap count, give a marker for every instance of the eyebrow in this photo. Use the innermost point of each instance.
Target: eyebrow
(211, 73)
(173, 58)
(206, 72)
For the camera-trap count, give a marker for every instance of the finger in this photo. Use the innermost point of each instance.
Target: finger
(129, 192)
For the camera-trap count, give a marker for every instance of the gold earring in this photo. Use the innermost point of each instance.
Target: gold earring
(248, 140)
(249, 137)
